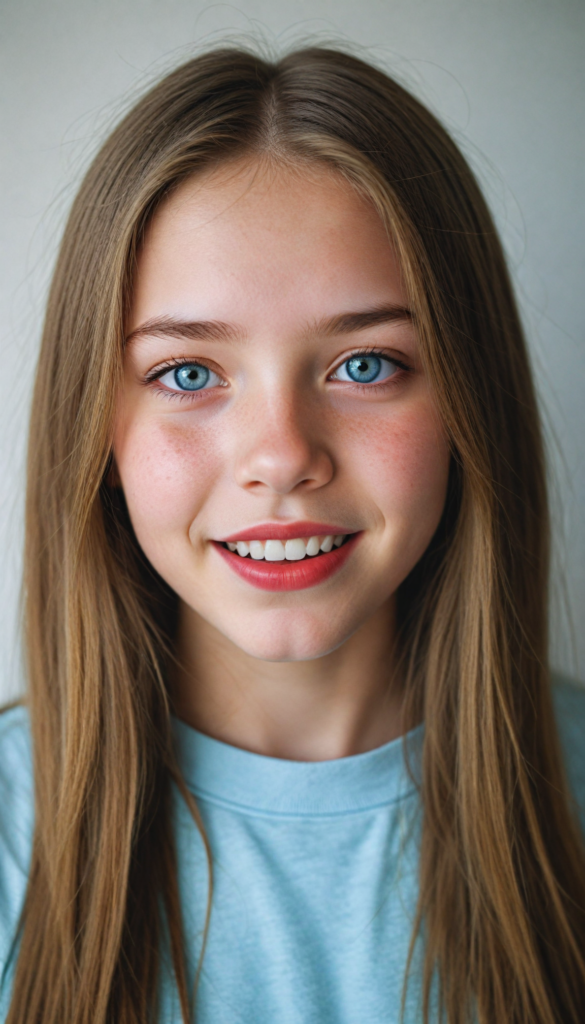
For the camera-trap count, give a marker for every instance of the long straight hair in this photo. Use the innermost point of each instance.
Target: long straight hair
(502, 872)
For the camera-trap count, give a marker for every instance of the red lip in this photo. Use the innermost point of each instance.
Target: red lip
(286, 531)
(288, 575)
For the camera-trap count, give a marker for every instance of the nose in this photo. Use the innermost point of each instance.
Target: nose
(280, 450)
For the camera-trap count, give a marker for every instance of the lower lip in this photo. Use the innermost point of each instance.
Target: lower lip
(308, 572)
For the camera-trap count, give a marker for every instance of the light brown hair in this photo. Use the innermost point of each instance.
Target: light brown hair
(502, 875)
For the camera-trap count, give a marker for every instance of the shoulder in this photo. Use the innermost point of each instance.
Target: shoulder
(16, 821)
(569, 704)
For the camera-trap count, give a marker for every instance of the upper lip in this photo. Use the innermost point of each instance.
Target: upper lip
(285, 531)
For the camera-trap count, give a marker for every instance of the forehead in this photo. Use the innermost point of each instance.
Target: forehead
(254, 239)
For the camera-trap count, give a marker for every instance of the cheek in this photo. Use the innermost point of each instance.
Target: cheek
(166, 469)
(402, 461)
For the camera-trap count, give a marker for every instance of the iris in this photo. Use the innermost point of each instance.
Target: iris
(363, 369)
(191, 376)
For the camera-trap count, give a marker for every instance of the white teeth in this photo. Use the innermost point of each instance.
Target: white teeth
(313, 546)
(274, 551)
(257, 549)
(294, 550)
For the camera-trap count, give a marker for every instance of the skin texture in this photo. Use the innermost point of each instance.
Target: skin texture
(275, 252)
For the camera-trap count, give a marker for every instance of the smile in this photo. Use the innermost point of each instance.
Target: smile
(293, 563)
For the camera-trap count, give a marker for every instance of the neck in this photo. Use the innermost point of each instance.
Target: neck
(343, 703)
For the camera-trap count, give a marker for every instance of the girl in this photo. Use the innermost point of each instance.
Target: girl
(295, 750)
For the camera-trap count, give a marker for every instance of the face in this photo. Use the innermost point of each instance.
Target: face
(276, 438)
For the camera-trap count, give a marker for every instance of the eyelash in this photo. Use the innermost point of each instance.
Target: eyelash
(390, 382)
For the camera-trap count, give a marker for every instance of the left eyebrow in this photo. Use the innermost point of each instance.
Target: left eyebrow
(347, 323)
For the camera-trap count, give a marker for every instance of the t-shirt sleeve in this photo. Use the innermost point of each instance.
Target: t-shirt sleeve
(16, 827)
(569, 701)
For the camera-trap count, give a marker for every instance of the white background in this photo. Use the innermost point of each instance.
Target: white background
(506, 76)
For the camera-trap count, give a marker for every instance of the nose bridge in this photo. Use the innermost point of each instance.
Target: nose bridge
(279, 447)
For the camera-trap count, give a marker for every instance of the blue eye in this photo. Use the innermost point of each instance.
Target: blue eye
(190, 377)
(365, 369)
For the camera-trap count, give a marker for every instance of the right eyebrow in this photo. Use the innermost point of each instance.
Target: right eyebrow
(187, 330)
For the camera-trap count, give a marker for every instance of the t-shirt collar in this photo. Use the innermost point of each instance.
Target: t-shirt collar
(253, 782)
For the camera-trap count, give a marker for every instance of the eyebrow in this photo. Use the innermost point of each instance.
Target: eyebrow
(189, 330)
(347, 323)
(216, 330)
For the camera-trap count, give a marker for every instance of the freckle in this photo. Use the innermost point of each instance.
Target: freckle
(187, 441)
(400, 441)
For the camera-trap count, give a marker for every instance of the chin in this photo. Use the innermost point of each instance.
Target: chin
(288, 641)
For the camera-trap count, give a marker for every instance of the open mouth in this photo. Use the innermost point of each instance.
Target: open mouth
(294, 550)
(288, 564)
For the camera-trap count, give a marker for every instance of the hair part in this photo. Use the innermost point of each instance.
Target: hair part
(502, 873)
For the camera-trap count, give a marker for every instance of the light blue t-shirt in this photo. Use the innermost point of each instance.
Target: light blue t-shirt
(315, 875)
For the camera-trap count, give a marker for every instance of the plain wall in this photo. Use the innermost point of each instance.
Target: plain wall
(506, 76)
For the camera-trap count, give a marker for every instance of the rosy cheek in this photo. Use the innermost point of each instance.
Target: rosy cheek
(402, 457)
(166, 468)
(419, 455)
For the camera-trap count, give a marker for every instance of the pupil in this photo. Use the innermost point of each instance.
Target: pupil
(364, 369)
(192, 377)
